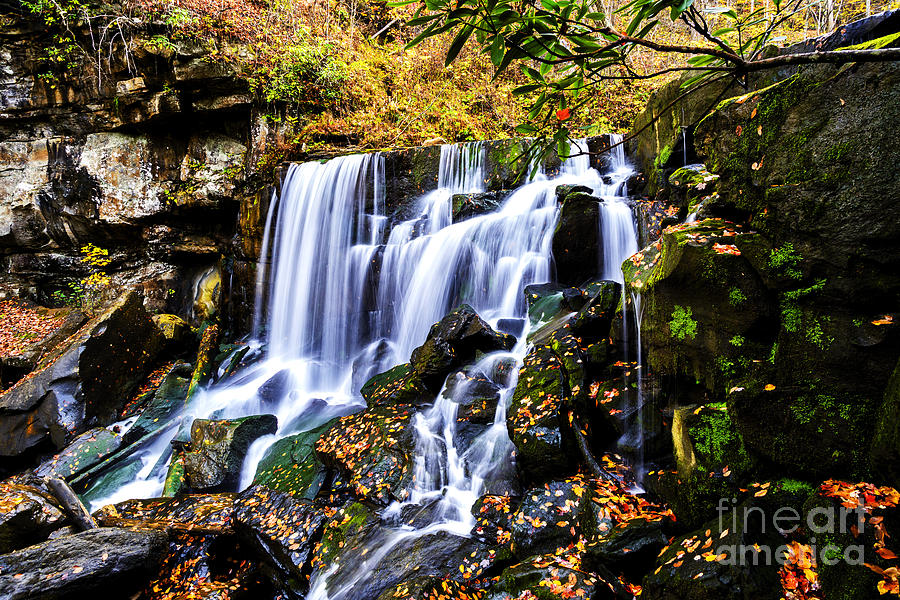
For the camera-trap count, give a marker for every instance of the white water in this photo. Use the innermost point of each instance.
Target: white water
(331, 325)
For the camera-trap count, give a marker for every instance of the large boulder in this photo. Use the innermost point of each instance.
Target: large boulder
(28, 515)
(218, 449)
(282, 530)
(577, 249)
(81, 383)
(371, 450)
(453, 342)
(90, 562)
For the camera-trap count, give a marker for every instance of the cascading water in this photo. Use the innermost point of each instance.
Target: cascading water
(446, 474)
(327, 332)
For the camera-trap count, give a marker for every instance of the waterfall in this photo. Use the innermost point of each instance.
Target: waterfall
(448, 477)
(351, 295)
(617, 228)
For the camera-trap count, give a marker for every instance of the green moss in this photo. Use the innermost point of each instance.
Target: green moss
(784, 261)
(794, 486)
(736, 297)
(664, 155)
(882, 42)
(682, 325)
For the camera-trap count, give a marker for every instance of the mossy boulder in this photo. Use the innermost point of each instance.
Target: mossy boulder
(371, 450)
(702, 566)
(165, 402)
(537, 419)
(290, 465)
(695, 283)
(218, 449)
(400, 384)
(85, 451)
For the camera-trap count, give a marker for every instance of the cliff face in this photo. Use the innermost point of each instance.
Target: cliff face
(145, 148)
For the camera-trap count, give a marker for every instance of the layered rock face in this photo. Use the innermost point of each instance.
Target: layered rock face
(145, 153)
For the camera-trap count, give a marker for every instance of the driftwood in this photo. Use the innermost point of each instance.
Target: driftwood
(170, 527)
(71, 504)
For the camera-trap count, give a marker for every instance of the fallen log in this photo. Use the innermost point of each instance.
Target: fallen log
(71, 503)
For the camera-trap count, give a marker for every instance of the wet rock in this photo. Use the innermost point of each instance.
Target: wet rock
(291, 465)
(85, 451)
(93, 561)
(401, 384)
(28, 515)
(576, 241)
(371, 450)
(166, 401)
(628, 548)
(275, 388)
(593, 320)
(549, 518)
(550, 576)
(282, 530)
(466, 206)
(439, 554)
(218, 449)
(537, 418)
(453, 342)
(547, 301)
(476, 395)
(83, 382)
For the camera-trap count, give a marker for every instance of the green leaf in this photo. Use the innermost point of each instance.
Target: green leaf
(680, 8)
(498, 47)
(458, 43)
(526, 89)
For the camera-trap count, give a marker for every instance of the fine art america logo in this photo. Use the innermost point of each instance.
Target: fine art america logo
(822, 521)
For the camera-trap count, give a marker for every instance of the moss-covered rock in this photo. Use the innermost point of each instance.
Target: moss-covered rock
(85, 451)
(885, 450)
(400, 384)
(290, 465)
(218, 449)
(694, 283)
(371, 450)
(537, 420)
